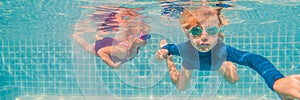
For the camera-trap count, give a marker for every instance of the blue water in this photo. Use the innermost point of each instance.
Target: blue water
(39, 57)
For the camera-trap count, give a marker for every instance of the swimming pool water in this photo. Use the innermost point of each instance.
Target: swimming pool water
(39, 57)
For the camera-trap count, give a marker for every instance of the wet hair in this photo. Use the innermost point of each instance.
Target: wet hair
(136, 24)
(132, 27)
(192, 18)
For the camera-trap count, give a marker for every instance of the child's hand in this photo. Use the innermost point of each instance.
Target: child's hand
(288, 88)
(162, 53)
(117, 64)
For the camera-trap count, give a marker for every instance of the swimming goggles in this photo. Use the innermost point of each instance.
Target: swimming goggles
(196, 31)
(145, 37)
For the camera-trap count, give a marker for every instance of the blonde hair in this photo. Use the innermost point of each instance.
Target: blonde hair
(132, 27)
(191, 18)
(136, 24)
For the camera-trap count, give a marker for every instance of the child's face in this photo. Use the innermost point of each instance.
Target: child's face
(205, 35)
(141, 42)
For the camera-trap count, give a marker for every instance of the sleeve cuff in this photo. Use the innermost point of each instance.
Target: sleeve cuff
(271, 76)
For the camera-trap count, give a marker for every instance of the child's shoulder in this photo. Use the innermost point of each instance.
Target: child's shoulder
(186, 44)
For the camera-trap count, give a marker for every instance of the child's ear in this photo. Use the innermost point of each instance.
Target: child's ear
(221, 36)
(219, 9)
(186, 33)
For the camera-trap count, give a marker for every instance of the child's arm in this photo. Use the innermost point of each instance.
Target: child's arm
(182, 79)
(105, 54)
(256, 62)
(174, 73)
(286, 87)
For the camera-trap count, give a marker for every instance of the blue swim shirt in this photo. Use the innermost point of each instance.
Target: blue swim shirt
(212, 60)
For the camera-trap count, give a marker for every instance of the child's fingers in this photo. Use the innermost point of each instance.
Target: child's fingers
(160, 54)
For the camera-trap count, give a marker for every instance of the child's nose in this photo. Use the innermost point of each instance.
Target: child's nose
(204, 37)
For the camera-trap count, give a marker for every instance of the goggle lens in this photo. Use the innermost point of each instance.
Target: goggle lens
(145, 37)
(196, 31)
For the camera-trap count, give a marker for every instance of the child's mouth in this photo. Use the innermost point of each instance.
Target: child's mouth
(203, 45)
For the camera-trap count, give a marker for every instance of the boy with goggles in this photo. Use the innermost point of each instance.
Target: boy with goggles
(205, 50)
